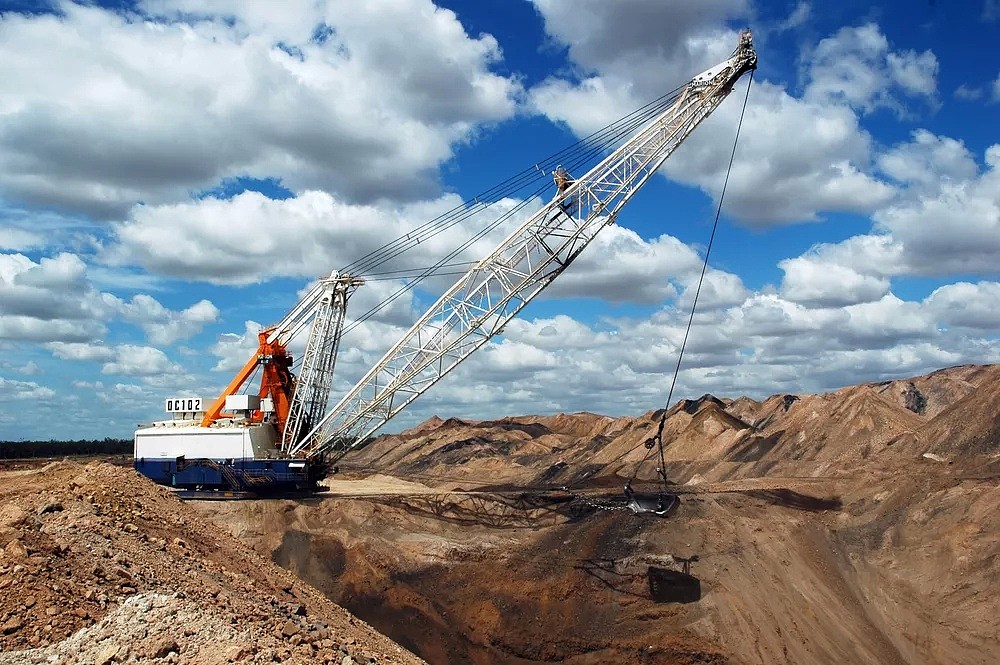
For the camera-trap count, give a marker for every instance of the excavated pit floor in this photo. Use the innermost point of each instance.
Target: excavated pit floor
(794, 571)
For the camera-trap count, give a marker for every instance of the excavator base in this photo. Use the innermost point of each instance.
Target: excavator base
(239, 478)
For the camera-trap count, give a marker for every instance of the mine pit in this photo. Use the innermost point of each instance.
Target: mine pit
(481, 578)
(800, 569)
(509, 542)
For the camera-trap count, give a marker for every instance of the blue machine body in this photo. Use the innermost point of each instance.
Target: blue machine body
(270, 476)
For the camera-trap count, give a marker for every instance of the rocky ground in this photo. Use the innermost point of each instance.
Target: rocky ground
(860, 526)
(98, 565)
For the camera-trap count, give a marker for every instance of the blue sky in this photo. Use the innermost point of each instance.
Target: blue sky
(173, 173)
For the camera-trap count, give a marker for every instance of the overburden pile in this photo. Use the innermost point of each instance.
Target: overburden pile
(99, 565)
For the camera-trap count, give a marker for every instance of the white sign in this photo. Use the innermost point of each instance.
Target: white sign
(183, 404)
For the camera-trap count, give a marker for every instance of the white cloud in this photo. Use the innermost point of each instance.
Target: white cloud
(132, 360)
(945, 221)
(54, 301)
(761, 346)
(871, 254)
(718, 289)
(233, 350)
(49, 300)
(623, 59)
(885, 323)
(636, 42)
(915, 73)
(187, 240)
(968, 93)
(24, 390)
(928, 160)
(817, 283)
(130, 108)
(81, 351)
(620, 266)
(558, 332)
(857, 66)
(967, 305)
(20, 240)
(952, 226)
(798, 17)
(163, 326)
(774, 179)
(30, 368)
(511, 359)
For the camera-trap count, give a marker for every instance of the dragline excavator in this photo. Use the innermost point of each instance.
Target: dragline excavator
(282, 437)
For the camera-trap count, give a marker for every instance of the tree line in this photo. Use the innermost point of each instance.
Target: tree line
(54, 448)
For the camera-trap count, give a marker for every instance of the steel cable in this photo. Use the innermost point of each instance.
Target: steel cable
(658, 439)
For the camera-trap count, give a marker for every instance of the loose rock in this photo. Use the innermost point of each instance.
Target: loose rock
(164, 646)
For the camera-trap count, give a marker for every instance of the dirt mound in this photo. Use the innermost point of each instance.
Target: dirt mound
(965, 430)
(100, 565)
(931, 394)
(950, 412)
(893, 568)
(854, 526)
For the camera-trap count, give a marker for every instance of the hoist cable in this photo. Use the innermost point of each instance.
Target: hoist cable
(508, 186)
(601, 139)
(580, 157)
(480, 203)
(658, 439)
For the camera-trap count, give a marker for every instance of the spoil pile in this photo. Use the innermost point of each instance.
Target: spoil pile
(857, 526)
(99, 565)
(951, 413)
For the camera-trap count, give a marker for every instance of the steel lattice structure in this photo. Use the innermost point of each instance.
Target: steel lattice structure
(312, 386)
(494, 290)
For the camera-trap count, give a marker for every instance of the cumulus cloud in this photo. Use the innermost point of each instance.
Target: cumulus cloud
(967, 305)
(950, 227)
(133, 360)
(857, 66)
(24, 390)
(234, 349)
(774, 180)
(53, 301)
(365, 100)
(620, 266)
(764, 345)
(719, 289)
(49, 300)
(637, 42)
(816, 283)
(81, 351)
(163, 326)
(30, 368)
(928, 160)
(188, 240)
(944, 221)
